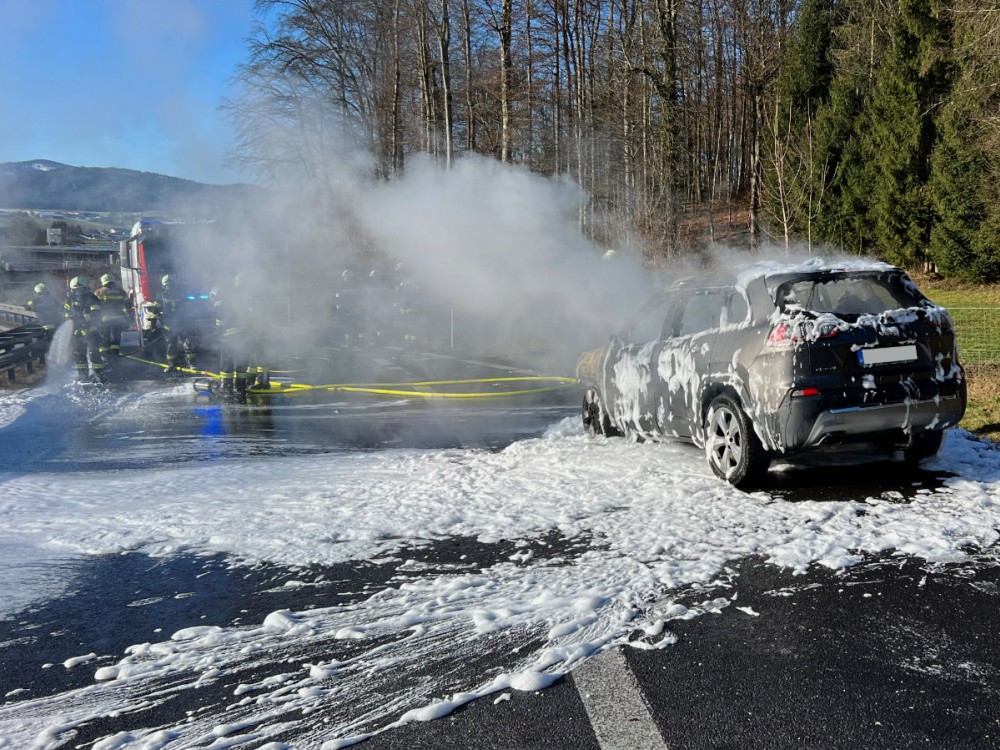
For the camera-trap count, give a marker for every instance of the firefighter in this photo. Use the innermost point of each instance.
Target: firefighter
(258, 373)
(48, 310)
(376, 303)
(84, 309)
(149, 316)
(347, 310)
(176, 325)
(115, 314)
(231, 318)
(405, 303)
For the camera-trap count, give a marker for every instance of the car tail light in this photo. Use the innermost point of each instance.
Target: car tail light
(805, 392)
(780, 334)
(790, 333)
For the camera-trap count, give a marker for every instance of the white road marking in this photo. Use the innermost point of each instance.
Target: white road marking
(614, 703)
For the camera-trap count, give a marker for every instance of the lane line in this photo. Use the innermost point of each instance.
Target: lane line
(613, 700)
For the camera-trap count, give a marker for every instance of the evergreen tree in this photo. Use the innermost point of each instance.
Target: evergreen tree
(807, 70)
(958, 170)
(841, 170)
(909, 85)
(842, 175)
(964, 179)
(985, 262)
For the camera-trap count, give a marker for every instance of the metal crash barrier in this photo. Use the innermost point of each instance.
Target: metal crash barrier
(15, 315)
(24, 346)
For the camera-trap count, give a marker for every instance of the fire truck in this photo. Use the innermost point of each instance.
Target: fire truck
(155, 249)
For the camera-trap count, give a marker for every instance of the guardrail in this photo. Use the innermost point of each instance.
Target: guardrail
(24, 346)
(16, 315)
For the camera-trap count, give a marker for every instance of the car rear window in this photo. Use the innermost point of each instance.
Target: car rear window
(849, 295)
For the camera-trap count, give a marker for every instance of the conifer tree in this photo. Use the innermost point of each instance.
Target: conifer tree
(957, 174)
(909, 85)
(807, 70)
(841, 170)
(963, 185)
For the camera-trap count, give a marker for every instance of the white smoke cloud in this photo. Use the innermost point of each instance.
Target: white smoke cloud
(503, 244)
(493, 248)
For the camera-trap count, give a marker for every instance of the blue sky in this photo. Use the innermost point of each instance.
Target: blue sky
(121, 83)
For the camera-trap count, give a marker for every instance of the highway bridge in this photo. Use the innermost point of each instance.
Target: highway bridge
(23, 266)
(15, 259)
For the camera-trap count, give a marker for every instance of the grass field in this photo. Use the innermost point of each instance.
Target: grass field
(975, 308)
(983, 413)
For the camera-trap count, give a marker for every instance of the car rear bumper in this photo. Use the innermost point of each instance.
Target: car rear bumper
(809, 427)
(912, 416)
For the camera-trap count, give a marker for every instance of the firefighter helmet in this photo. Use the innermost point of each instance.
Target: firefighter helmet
(39, 288)
(214, 293)
(78, 281)
(106, 279)
(165, 281)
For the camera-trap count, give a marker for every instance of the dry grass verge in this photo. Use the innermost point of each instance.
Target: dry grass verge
(983, 414)
(22, 378)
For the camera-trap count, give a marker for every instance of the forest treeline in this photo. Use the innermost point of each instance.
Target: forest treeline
(867, 125)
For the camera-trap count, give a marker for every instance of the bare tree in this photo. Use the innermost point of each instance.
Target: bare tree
(658, 109)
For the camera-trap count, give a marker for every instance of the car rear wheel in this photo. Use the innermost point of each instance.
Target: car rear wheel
(924, 445)
(734, 451)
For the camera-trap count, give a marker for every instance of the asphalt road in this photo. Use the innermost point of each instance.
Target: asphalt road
(890, 653)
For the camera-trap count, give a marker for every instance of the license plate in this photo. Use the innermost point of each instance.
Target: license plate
(887, 354)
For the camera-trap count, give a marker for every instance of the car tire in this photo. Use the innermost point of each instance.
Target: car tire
(595, 419)
(734, 451)
(924, 445)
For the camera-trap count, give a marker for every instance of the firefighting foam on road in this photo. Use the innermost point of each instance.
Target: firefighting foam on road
(282, 580)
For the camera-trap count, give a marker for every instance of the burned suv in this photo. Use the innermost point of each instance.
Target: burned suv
(781, 360)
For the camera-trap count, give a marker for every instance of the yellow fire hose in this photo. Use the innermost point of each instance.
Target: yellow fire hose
(395, 389)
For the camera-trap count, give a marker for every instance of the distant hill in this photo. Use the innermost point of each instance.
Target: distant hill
(43, 184)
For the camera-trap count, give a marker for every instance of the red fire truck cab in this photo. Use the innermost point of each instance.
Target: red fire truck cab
(155, 249)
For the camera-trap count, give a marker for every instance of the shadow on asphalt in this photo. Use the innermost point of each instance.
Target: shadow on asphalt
(888, 481)
(115, 601)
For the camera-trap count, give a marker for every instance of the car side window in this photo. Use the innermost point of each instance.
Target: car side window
(702, 311)
(736, 308)
(647, 326)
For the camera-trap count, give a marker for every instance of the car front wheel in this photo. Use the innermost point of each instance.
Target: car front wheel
(734, 451)
(595, 419)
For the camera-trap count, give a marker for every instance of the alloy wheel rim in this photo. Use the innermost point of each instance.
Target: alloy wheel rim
(725, 441)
